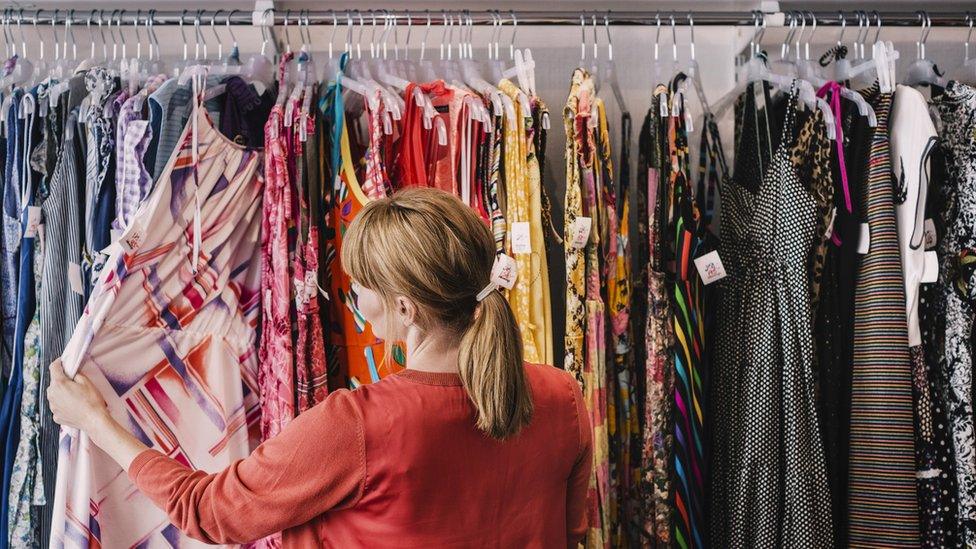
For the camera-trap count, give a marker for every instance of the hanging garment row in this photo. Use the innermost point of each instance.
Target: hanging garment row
(778, 378)
(177, 241)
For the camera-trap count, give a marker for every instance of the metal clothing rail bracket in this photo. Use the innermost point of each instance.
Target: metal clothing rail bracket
(259, 17)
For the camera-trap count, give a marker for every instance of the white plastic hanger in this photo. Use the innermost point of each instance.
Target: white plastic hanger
(863, 107)
(693, 72)
(967, 71)
(805, 68)
(609, 68)
(922, 71)
(259, 69)
(662, 70)
(785, 65)
(756, 70)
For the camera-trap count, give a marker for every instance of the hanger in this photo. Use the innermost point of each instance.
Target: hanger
(784, 65)
(23, 69)
(259, 69)
(862, 74)
(922, 71)
(693, 72)
(805, 68)
(661, 71)
(756, 70)
(41, 68)
(863, 107)
(967, 71)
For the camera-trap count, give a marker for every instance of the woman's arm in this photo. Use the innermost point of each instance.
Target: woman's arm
(315, 464)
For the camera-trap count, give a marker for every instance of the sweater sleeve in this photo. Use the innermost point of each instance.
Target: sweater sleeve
(316, 463)
(579, 479)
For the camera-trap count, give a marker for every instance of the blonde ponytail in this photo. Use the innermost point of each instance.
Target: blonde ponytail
(492, 371)
(430, 247)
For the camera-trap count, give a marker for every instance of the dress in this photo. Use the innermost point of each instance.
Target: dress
(834, 326)
(913, 139)
(276, 371)
(173, 351)
(360, 355)
(883, 499)
(658, 342)
(956, 290)
(768, 478)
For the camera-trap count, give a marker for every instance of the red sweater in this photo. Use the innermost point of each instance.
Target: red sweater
(396, 463)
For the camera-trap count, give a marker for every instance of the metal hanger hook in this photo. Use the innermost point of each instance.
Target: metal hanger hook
(843, 28)
(511, 46)
(674, 39)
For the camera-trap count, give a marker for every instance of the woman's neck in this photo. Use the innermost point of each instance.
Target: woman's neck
(436, 352)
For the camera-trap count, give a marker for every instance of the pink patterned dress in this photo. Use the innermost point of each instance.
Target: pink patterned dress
(169, 339)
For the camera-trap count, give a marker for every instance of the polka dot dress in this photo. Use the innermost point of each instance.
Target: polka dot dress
(769, 482)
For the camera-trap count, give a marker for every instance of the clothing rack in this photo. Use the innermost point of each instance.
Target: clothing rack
(418, 18)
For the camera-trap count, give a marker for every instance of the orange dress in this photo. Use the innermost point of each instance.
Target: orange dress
(358, 354)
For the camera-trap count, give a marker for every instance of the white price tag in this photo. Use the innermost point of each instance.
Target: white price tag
(676, 105)
(521, 239)
(74, 278)
(664, 105)
(33, 221)
(930, 273)
(710, 267)
(580, 231)
(930, 234)
(504, 271)
(133, 238)
(864, 242)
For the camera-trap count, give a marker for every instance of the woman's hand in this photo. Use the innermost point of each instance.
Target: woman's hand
(74, 402)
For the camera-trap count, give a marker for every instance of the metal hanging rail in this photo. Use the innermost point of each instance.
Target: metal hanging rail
(419, 18)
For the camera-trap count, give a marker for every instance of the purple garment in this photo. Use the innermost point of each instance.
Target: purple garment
(134, 181)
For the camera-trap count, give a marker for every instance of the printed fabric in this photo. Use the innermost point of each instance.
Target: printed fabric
(168, 338)
(953, 307)
(276, 372)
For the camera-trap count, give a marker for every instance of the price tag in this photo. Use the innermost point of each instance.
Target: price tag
(689, 122)
(663, 98)
(33, 221)
(930, 234)
(930, 273)
(864, 242)
(676, 105)
(74, 278)
(521, 240)
(504, 271)
(580, 231)
(710, 267)
(133, 238)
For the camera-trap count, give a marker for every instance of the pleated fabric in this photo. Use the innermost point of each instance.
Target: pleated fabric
(883, 498)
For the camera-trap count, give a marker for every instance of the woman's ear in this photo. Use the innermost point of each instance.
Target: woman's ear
(406, 311)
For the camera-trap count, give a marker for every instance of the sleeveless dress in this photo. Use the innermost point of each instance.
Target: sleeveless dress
(169, 339)
(769, 482)
(359, 353)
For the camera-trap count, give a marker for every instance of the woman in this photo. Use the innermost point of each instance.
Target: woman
(466, 447)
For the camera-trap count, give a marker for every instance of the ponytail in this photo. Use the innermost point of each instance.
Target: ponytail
(491, 369)
(387, 249)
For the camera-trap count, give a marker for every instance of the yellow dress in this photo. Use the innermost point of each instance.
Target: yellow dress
(529, 297)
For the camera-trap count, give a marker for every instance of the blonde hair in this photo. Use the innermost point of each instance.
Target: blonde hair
(428, 246)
